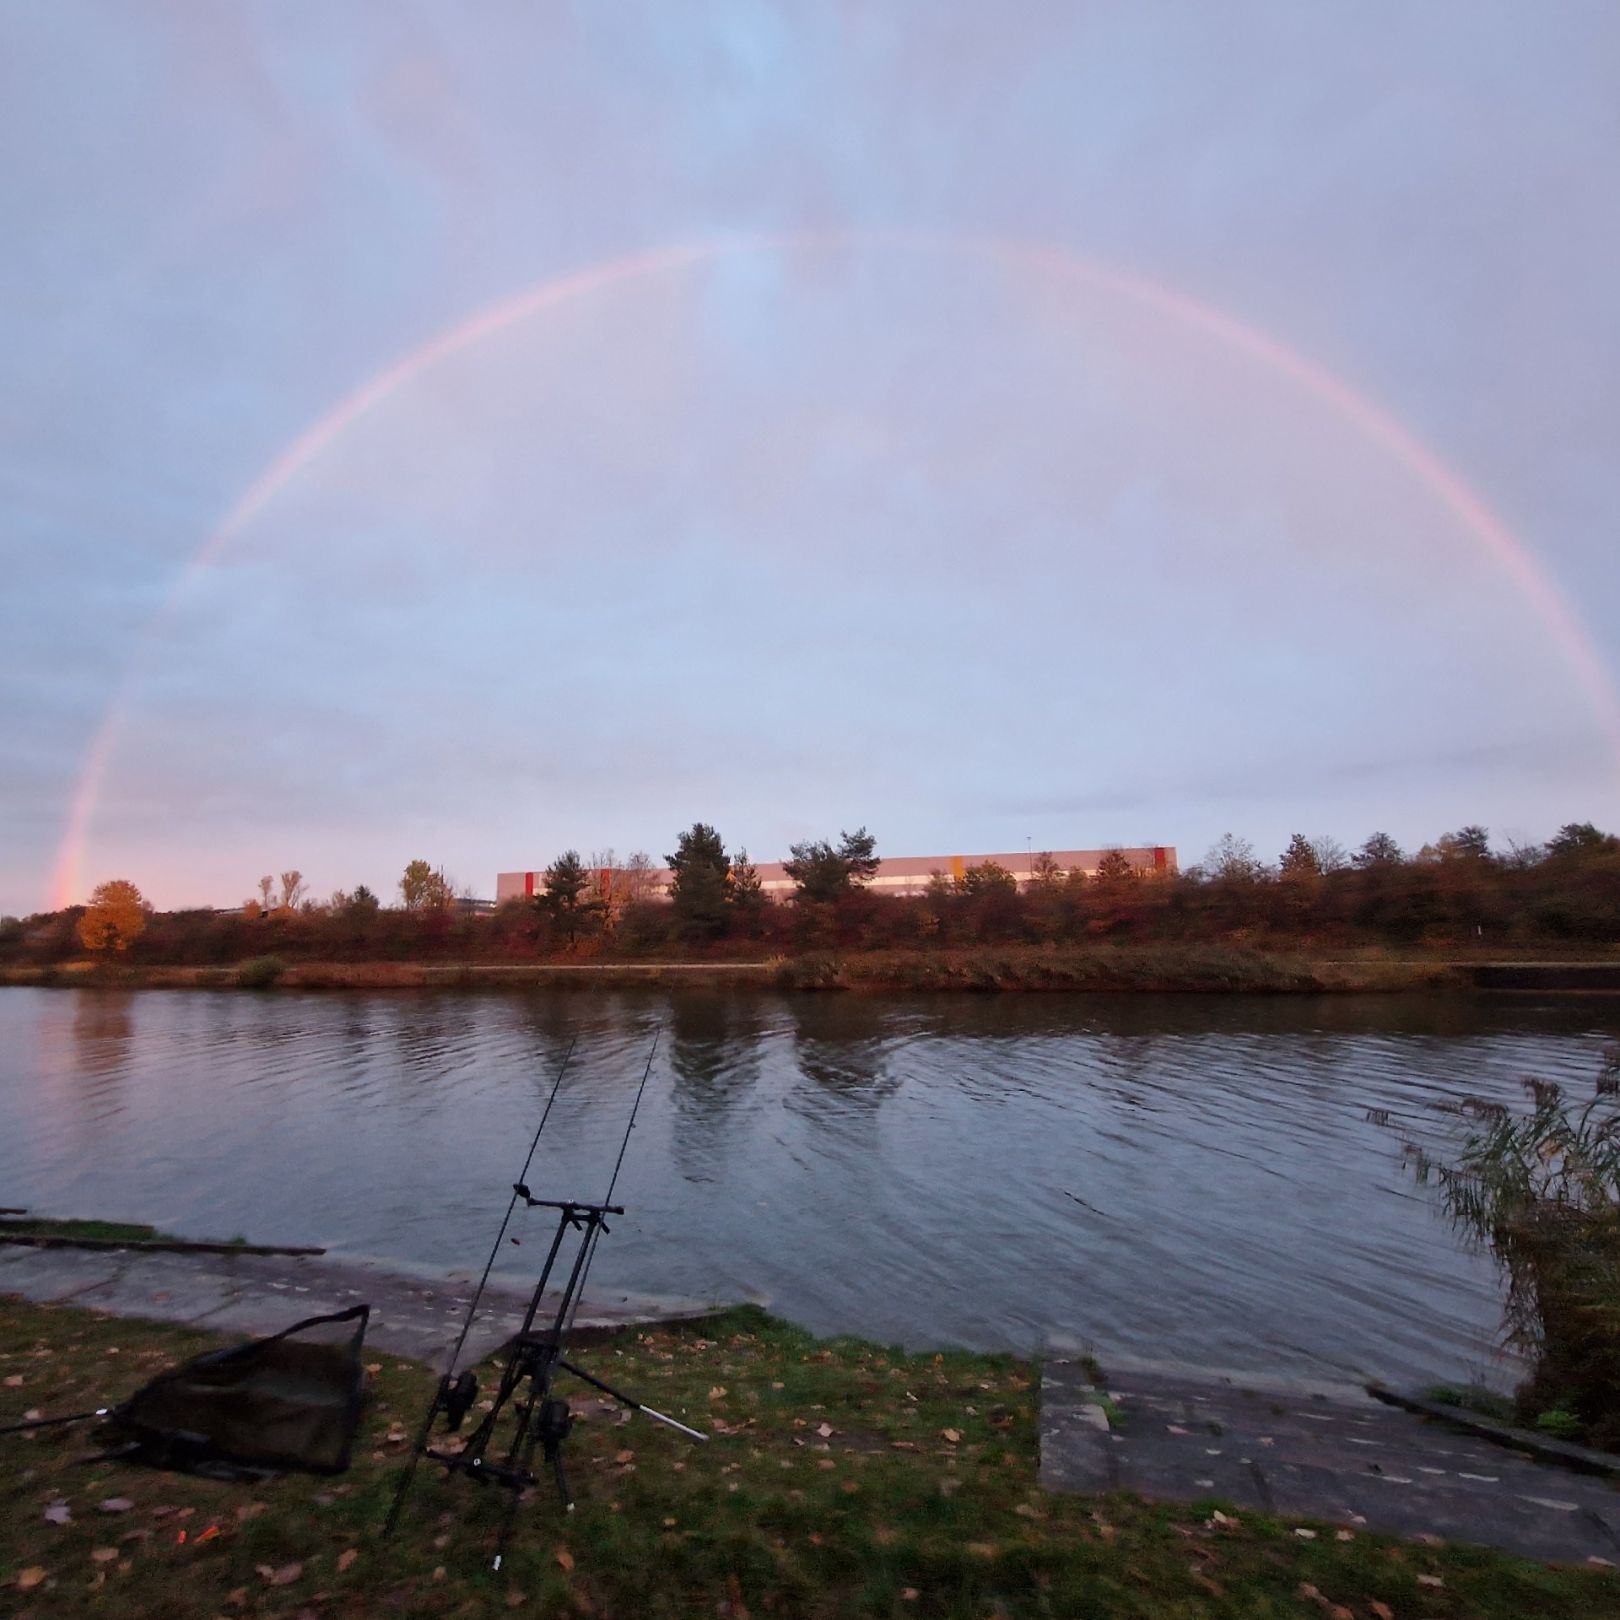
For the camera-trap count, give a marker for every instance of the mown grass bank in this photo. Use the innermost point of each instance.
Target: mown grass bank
(1202, 969)
(843, 1480)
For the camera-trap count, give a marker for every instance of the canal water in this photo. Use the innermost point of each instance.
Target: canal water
(1194, 1178)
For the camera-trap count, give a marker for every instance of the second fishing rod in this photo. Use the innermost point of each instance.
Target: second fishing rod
(534, 1355)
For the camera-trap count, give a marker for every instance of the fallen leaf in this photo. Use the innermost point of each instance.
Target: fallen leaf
(909, 1594)
(28, 1579)
(373, 1366)
(1305, 1535)
(624, 1456)
(14, 1381)
(104, 1555)
(346, 1558)
(824, 1430)
(565, 1559)
(439, 1572)
(117, 1504)
(1430, 1580)
(953, 1435)
(1176, 1428)
(280, 1575)
(717, 1392)
(1380, 1611)
(1344, 1535)
(59, 1513)
(1306, 1590)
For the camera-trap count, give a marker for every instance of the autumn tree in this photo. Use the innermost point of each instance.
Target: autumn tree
(1580, 840)
(1379, 851)
(1233, 860)
(639, 876)
(1472, 844)
(746, 894)
(1300, 862)
(1114, 869)
(1045, 870)
(988, 878)
(115, 917)
(292, 890)
(1331, 855)
(826, 872)
(699, 891)
(425, 888)
(267, 890)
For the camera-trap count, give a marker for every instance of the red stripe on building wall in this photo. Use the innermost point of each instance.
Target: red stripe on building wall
(528, 883)
(1161, 858)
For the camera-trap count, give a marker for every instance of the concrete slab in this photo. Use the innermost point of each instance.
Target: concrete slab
(1331, 1453)
(55, 1274)
(414, 1315)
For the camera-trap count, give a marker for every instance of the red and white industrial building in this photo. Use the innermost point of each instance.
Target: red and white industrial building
(901, 874)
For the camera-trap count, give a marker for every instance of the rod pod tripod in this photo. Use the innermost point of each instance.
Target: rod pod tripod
(534, 1357)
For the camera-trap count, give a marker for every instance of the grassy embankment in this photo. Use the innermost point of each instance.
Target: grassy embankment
(843, 1479)
(1192, 968)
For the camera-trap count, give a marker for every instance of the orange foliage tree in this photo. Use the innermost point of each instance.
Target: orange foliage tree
(115, 917)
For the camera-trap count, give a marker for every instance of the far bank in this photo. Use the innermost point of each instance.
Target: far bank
(1201, 969)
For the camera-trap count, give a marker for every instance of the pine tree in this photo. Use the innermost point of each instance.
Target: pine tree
(699, 892)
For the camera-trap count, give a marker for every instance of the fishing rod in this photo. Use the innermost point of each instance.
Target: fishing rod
(54, 1422)
(535, 1355)
(452, 1395)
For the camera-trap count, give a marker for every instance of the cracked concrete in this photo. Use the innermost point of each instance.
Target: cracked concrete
(1327, 1453)
(254, 1294)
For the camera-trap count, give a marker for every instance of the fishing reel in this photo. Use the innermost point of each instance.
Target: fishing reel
(458, 1400)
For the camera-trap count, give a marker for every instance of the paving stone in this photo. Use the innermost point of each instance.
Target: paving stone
(1331, 1454)
(56, 1274)
(415, 1316)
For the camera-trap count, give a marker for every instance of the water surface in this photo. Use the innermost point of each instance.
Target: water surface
(1168, 1176)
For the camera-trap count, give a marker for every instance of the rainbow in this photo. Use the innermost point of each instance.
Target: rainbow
(1368, 419)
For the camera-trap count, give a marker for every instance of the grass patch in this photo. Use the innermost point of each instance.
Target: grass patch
(884, 1513)
(101, 1231)
(1474, 1398)
(260, 972)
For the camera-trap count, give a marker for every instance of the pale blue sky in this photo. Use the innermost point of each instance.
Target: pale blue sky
(798, 537)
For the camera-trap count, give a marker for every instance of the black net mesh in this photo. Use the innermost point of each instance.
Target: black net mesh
(287, 1402)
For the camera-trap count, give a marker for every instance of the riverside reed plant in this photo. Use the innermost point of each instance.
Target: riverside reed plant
(1541, 1190)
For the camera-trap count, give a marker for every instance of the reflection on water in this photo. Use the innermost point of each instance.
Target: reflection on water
(1167, 1176)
